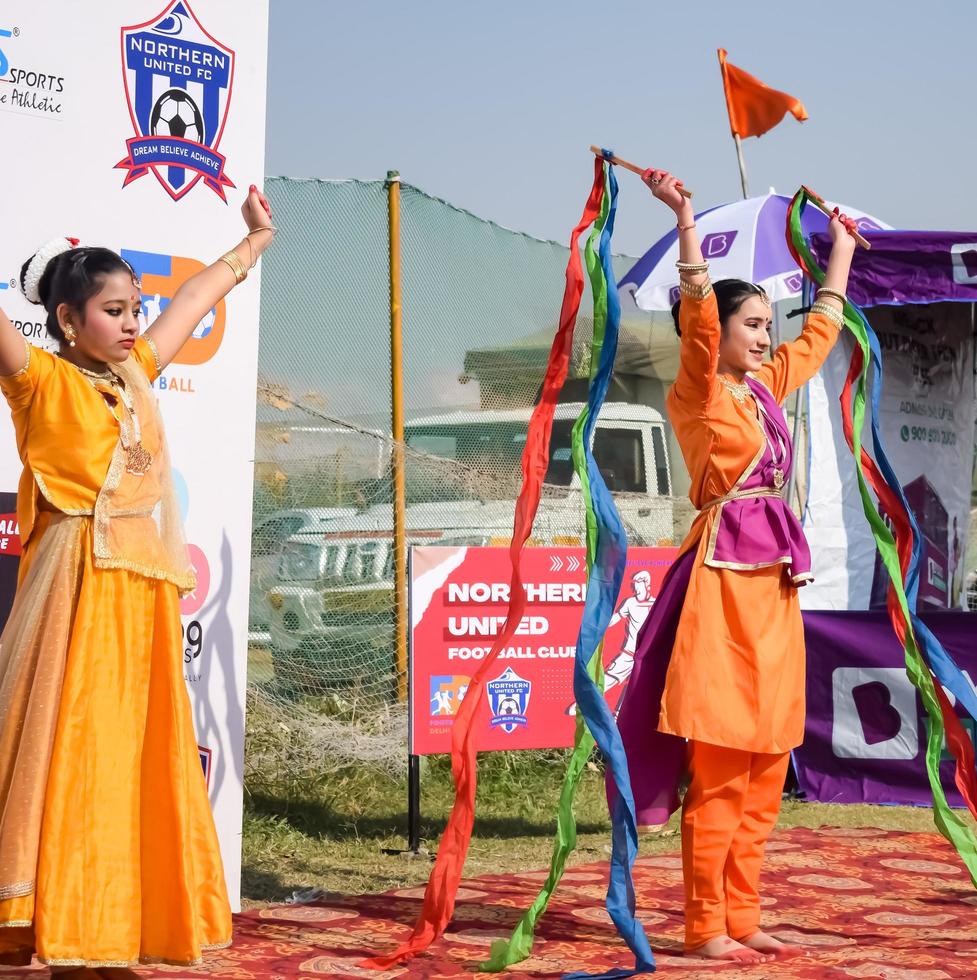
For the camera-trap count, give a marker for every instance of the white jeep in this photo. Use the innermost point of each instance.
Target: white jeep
(330, 612)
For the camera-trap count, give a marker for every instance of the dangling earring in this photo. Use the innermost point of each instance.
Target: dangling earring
(70, 337)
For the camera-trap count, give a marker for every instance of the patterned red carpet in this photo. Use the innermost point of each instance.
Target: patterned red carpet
(865, 903)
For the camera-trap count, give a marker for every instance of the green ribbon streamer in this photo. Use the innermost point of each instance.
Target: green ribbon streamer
(520, 944)
(947, 821)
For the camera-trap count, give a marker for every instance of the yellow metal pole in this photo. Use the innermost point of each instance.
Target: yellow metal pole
(397, 433)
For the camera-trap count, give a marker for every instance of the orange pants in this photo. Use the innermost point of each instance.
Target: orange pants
(729, 810)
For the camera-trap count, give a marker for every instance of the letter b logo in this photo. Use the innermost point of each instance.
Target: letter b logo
(717, 244)
(875, 714)
(963, 256)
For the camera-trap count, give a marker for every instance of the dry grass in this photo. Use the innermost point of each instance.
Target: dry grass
(335, 832)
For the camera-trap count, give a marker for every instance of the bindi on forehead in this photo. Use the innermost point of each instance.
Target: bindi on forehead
(118, 288)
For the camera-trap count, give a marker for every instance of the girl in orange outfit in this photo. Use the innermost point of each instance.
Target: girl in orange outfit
(720, 661)
(108, 851)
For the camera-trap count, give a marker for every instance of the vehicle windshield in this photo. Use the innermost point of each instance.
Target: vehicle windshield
(488, 457)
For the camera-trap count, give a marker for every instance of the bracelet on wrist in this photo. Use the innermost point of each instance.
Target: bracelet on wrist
(251, 252)
(826, 291)
(694, 290)
(688, 227)
(828, 312)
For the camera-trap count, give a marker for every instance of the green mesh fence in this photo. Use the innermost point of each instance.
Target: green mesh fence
(479, 307)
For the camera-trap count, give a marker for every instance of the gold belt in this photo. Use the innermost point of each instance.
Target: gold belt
(743, 495)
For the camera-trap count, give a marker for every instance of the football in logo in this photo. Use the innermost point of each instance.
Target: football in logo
(176, 114)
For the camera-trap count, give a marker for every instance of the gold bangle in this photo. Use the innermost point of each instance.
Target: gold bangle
(829, 312)
(695, 290)
(253, 259)
(254, 231)
(236, 266)
(825, 291)
(692, 267)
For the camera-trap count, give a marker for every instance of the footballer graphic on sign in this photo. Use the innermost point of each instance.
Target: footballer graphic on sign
(178, 81)
(447, 693)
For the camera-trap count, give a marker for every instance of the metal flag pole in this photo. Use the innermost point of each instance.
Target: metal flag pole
(742, 163)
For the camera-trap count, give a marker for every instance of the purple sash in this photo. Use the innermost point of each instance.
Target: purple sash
(753, 529)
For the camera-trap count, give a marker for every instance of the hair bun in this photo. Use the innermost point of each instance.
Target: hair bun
(34, 268)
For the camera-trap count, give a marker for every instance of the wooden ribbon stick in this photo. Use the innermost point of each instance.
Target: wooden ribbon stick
(633, 167)
(820, 204)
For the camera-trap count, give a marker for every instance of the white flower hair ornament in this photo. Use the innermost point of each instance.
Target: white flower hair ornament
(37, 265)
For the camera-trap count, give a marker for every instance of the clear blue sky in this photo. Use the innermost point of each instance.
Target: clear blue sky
(493, 105)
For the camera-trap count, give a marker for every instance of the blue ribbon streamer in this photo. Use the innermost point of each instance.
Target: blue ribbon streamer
(604, 587)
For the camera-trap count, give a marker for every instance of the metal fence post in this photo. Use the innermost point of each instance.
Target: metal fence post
(397, 434)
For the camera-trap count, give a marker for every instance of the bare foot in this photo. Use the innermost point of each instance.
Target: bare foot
(117, 973)
(724, 948)
(763, 943)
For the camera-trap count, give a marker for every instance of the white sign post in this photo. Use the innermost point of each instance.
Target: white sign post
(139, 125)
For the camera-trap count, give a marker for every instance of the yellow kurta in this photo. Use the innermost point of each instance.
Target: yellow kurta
(736, 675)
(128, 866)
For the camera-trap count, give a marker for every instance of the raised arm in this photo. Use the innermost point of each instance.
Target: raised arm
(698, 316)
(13, 347)
(173, 327)
(795, 363)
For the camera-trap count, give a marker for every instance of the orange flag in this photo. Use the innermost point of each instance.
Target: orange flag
(754, 107)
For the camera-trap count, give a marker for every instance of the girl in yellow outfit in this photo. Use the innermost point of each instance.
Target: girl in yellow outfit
(726, 674)
(108, 851)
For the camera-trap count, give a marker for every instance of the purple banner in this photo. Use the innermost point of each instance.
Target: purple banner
(910, 267)
(865, 736)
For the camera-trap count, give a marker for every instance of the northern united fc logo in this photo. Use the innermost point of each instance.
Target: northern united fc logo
(508, 698)
(178, 81)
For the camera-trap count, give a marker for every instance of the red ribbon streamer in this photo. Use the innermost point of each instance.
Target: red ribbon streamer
(442, 887)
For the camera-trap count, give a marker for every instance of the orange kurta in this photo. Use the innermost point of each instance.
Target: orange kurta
(736, 675)
(127, 867)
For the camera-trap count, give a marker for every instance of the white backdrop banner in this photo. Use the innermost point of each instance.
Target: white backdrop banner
(927, 422)
(139, 125)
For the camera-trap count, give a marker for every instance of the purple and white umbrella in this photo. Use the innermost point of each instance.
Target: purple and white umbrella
(743, 240)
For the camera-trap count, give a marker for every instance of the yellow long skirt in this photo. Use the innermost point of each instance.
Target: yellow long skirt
(128, 868)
